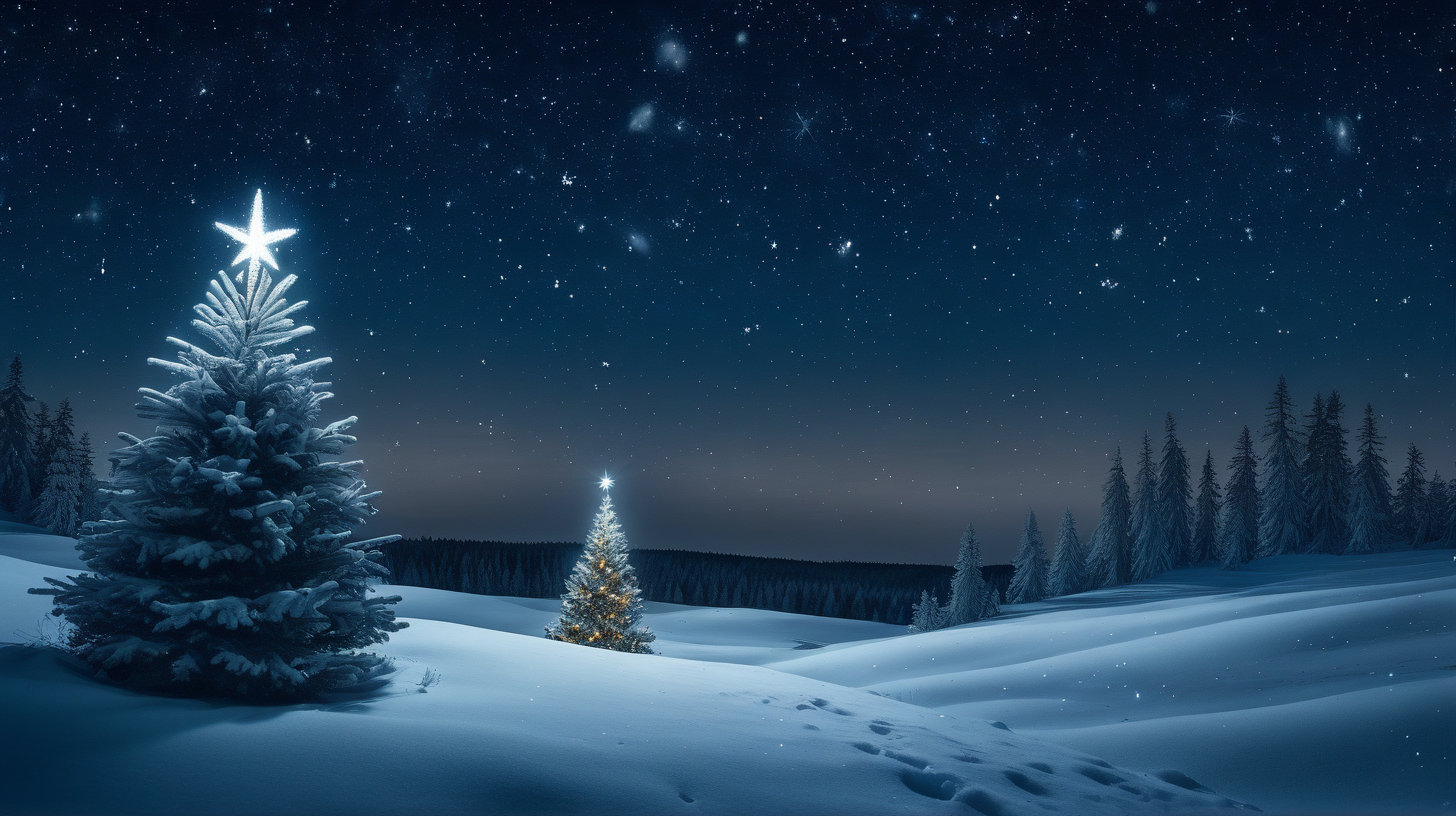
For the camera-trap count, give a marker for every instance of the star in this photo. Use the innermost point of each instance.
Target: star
(606, 482)
(256, 240)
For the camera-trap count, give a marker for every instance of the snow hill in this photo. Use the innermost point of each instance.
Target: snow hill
(736, 717)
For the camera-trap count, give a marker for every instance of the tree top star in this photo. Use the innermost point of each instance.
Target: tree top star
(606, 482)
(256, 240)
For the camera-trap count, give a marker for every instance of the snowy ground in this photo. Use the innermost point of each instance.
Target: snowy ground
(733, 719)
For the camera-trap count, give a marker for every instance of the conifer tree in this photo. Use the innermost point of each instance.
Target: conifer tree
(602, 606)
(1109, 557)
(1205, 516)
(1151, 555)
(17, 458)
(925, 616)
(1370, 510)
(1239, 527)
(1410, 495)
(967, 587)
(1069, 564)
(1327, 479)
(1174, 494)
(1431, 531)
(1029, 567)
(58, 509)
(1282, 510)
(223, 568)
(41, 451)
(90, 504)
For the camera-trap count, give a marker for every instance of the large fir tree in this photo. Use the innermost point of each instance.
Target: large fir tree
(968, 588)
(1239, 526)
(1029, 576)
(1069, 565)
(602, 606)
(1327, 480)
(17, 459)
(1109, 557)
(1370, 504)
(59, 507)
(40, 449)
(1151, 554)
(1410, 495)
(223, 566)
(1282, 511)
(1205, 515)
(89, 507)
(1174, 494)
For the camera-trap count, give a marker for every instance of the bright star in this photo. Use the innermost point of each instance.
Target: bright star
(606, 482)
(256, 240)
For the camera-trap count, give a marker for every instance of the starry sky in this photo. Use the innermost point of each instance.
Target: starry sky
(808, 280)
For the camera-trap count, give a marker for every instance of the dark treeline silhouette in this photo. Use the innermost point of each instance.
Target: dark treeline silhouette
(840, 589)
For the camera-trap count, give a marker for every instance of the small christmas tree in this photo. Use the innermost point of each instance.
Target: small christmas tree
(926, 615)
(602, 605)
(222, 566)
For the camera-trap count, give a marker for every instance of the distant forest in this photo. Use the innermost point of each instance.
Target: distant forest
(838, 589)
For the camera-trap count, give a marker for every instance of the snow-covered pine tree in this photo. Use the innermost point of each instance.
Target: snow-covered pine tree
(1151, 555)
(602, 606)
(1239, 527)
(1370, 505)
(1109, 557)
(967, 586)
(1410, 495)
(89, 507)
(1282, 511)
(925, 616)
(1314, 438)
(1205, 516)
(1029, 567)
(58, 509)
(1174, 495)
(1327, 481)
(1068, 574)
(1431, 531)
(17, 458)
(40, 450)
(223, 568)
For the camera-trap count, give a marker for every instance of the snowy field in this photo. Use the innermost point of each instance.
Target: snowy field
(1303, 684)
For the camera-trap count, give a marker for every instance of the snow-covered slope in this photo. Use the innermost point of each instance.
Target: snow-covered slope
(522, 724)
(1301, 683)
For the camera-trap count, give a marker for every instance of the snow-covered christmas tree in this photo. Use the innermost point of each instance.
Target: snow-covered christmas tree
(1029, 578)
(602, 606)
(1205, 515)
(222, 566)
(1068, 574)
(1151, 554)
(1174, 494)
(926, 615)
(1239, 527)
(1109, 551)
(1370, 504)
(16, 456)
(1282, 509)
(971, 598)
(59, 507)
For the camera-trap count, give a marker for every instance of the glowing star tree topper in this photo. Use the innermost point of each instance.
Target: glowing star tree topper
(256, 240)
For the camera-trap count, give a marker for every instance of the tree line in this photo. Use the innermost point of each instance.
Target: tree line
(1301, 494)
(46, 474)
(844, 589)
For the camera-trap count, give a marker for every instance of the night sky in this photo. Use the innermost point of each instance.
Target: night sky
(806, 280)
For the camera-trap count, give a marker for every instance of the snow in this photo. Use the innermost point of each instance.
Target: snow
(731, 718)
